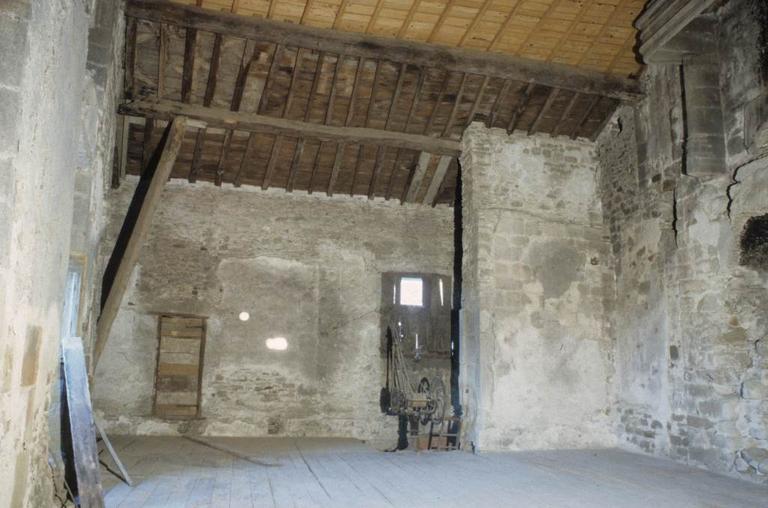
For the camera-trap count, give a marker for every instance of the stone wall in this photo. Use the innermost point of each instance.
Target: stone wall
(689, 320)
(536, 357)
(43, 51)
(307, 268)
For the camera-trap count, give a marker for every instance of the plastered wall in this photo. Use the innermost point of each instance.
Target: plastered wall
(536, 361)
(307, 268)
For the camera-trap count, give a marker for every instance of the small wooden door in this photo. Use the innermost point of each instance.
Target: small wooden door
(181, 343)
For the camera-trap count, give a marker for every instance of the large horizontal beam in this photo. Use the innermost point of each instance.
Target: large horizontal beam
(402, 51)
(252, 122)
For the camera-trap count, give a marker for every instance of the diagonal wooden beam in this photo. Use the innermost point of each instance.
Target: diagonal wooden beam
(130, 57)
(498, 102)
(478, 100)
(213, 70)
(162, 59)
(247, 155)
(146, 199)
(522, 103)
(492, 64)
(456, 106)
(380, 151)
(584, 117)
(564, 116)
(197, 155)
(336, 167)
(437, 180)
(271, 163)
(418, 176)
(543, 111)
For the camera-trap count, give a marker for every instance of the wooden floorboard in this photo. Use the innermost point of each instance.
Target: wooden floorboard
(285, 472)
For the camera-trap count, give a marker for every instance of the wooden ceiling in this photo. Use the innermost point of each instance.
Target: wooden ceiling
(275, 104)
(593, 34)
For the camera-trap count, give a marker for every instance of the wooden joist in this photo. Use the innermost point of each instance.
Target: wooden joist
(138, 233)
(418, 175)
(437, 180)
(402, 51)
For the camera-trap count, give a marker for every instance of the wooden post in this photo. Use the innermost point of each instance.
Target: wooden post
(138, 234)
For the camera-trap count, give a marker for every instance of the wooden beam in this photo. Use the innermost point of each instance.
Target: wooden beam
(437, 180)
(147, 148)
(242, 75)
(418, 176)
(188, 71)
(138, 233)
(295, 165)
(564, 116)
(332, 93)
(271, 163)
(247, 154)
(367, 46)
(130, 57)
(197, 155)
(543, 111)
(583, 119)
(264, 99)
(213, 69)
(336, 167)
(396, 94)
(497, 103)
(219, 178)
(456, 106)
(380, 151)
(167, 110)
(478, 100)
(522, 103)
(162, 59)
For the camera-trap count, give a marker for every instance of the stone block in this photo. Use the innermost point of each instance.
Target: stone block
(754, 389)
(10, 109)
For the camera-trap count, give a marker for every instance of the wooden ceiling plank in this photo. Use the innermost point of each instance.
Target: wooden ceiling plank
(478, 100)
(593, 102)
(618, 10)
(374, 16)
(187, 75)
(456, 106)
(522, 103)
(408, 18)
(418, 175)
(130, 57)
(340, 14)
(437, 180)
(504, 28)
(498, 102)
(473, 25)
(213, 69)
(543, 111)
(336, 167)
(368, 46)
(197, 154)
(374, 89)
(440, 21)
(247, 156)
(303, 19)
(272, 162)
(564, 116)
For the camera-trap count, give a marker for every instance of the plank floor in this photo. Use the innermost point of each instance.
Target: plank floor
(276, 472)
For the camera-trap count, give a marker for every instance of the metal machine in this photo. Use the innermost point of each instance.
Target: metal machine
(424, 402)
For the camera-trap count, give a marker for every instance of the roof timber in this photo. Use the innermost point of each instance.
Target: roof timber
(366, 46)
(252, 122)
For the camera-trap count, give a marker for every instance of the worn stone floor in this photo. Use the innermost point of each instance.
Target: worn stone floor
(239, 472)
